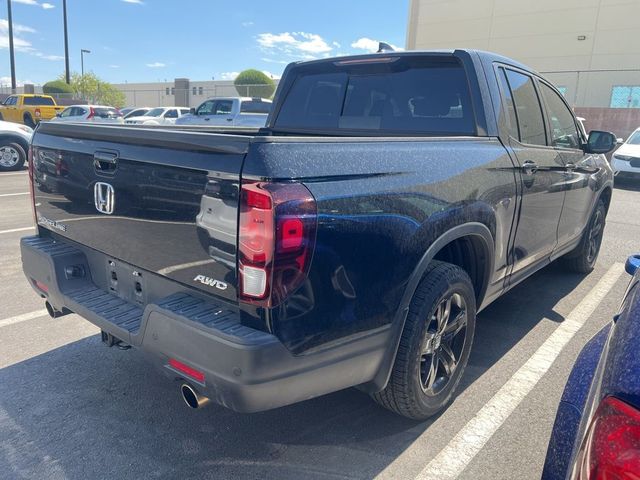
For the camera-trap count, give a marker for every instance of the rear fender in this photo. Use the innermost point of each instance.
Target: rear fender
(475, 229)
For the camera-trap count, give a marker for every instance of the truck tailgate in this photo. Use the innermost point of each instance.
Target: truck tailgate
(47, 112)
(162, 201)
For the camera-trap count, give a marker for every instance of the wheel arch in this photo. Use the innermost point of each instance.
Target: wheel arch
(465, 238)
(14, 139)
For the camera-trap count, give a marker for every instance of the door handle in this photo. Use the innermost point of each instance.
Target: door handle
(571, 166)
(529, 167)
(229, 119)
(206, 119)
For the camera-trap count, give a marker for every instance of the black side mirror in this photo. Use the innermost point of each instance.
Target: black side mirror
(192, 110)
(58, 115)
(600, 142)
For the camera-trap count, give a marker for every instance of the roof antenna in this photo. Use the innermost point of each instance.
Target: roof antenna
(384, 47)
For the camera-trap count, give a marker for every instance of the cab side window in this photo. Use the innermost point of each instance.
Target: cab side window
(206, 108)
(171, 114)
(564, 132)
(531, 126)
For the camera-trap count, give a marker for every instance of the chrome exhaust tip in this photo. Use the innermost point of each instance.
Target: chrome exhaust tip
(53, 313)
(192, 398)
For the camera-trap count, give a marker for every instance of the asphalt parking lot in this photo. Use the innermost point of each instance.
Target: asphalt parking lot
(71, 408)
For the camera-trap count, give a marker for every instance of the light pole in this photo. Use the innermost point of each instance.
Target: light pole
(82, 52)
(11, 54)
(66, 44)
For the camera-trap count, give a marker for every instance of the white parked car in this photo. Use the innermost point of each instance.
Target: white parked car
(135, 112)
(159, 116)
(14, 144)
(230, 112)
(89, 113)
(626, 159)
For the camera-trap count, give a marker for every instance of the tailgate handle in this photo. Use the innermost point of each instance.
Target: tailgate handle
(105, 161)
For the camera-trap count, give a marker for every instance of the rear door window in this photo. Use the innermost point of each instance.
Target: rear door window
(426, 95)
(528, 110)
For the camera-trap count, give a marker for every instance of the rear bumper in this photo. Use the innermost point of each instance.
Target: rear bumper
(245, 369)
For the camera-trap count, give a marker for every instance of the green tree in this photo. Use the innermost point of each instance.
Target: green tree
(57, 86)
(254, 83)
(94, 90)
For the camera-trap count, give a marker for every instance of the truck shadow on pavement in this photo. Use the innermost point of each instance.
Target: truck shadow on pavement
(86, 411)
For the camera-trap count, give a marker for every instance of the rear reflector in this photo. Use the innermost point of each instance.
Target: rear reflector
(41, 286)
(611, 450)
(190, 372)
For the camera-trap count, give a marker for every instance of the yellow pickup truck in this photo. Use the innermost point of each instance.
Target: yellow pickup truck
(29, 109)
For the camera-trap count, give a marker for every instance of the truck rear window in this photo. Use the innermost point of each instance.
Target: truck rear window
(411, 95)
(255, 106)
(38, 101)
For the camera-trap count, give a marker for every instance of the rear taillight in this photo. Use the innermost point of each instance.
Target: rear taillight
(277, 237)
(92, 113)
(611, 450)
(31, 187)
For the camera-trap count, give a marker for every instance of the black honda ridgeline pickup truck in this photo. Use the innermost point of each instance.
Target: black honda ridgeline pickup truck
(351, 242)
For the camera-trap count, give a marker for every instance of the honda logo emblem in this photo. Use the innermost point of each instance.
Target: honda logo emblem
(104, 197)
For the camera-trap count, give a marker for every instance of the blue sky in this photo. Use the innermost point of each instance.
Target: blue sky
(154, 40)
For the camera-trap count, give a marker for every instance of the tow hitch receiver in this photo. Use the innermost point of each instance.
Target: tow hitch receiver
(111, 341)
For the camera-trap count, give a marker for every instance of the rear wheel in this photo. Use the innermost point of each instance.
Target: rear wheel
(12, 156)
(583, 258)
(435, 344)
(28, 121)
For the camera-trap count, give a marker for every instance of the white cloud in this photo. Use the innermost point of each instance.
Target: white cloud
(48, 57)
(299, 45)
(229, 75)
(271, 60)
(370, 45)
(6, 82)
(45, 5)
(20, 44)
(247, 24)
(155, 64)
(137, 2)
(114, 66)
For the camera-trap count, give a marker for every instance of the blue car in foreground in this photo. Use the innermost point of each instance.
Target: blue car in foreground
(596, 434)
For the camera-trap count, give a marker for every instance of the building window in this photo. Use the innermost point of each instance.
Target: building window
(167, 90)
(194, 90)
(563, 90)
(199, 90)
(627, 96)
(173, 91)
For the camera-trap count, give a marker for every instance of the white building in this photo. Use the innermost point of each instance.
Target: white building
(589, 48)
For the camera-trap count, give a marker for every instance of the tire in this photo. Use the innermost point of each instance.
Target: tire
(584, 257)
(12, 156)
(28, 121)
(417, 389)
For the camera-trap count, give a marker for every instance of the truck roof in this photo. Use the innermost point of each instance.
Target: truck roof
(482, 54)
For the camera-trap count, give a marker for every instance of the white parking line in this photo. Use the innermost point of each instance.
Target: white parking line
(460, 451)
(24, 229)
(13, 194)
(23, 318)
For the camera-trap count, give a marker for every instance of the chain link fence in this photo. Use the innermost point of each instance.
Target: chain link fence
(193, 96)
